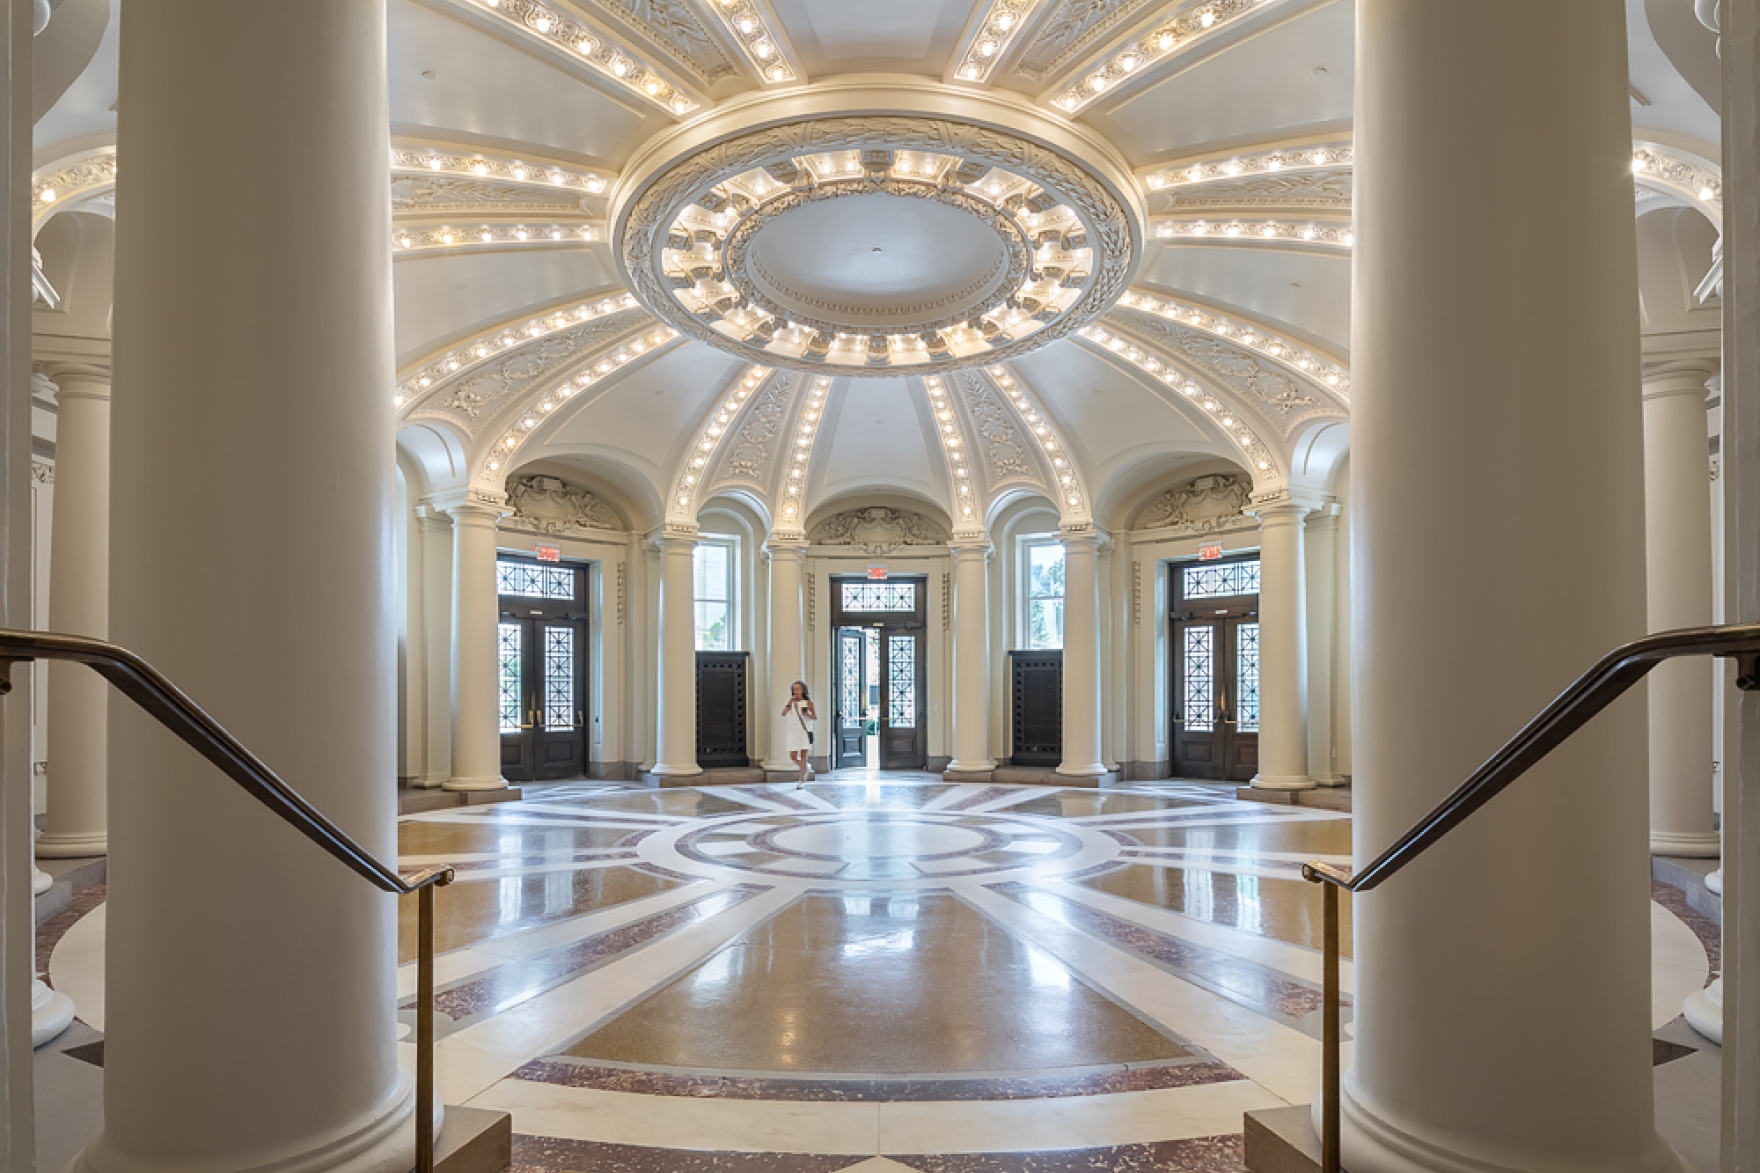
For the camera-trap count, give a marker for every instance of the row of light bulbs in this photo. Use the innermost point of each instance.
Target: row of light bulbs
(1304, 158)
(1311, 232)
(1311, 364)
(713, 428)
(1043, 432)
(76, 177)
(800, 460)
(612, 60)
(1177, 33)
(463, 357)
(426, 239)
(999, 28)
(1237, 429)
(520, 431)
(502, 170)
(954, 448)
(760, 44)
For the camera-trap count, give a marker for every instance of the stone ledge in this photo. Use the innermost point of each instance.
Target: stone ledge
(68, 877)
(1328, 798)
(416, 802)
(1688, 875)
(1048, 776)
(730, 776)
(968, 775)
(473, 1140)
(1282, 1140)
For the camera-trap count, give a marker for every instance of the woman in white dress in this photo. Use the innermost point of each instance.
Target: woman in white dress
(799, 727)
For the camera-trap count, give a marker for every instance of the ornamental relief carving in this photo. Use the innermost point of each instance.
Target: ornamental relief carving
(878, 529)
(648, 220)
(1330, 190)
(550, 505)
(751, 456)
(1274, 391)
(485, 390)
(1003, 446)
(1074, 26)
(674, 27)
(1202, 505)
(429, 194)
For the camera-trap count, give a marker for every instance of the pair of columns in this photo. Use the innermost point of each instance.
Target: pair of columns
(1297, 567)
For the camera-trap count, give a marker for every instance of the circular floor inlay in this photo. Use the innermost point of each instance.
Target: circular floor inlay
(866, 839)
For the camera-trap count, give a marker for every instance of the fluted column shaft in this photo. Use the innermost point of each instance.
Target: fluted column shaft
(1320, 561)
(971, 659)
(476, 700)
(788, 622)
(1496, 451)
(1677, 579)
(1283, 660)
(1081, 656)
(676, 732)
(252, 368)
(79, 604)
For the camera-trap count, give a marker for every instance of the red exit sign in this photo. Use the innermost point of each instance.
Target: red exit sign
(548, 553)
(1209, 553)
(876, 572)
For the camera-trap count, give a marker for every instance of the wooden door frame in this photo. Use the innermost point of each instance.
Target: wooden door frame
(534, 613)
(1226, 613)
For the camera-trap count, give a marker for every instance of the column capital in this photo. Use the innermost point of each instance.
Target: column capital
(431, 517)
(674, 535)
(787, 547)
(970, 549)
(471, 506)
(1679, 377)
(1283, 506)
(77, 380)
(1323, 518)
(1080, 535)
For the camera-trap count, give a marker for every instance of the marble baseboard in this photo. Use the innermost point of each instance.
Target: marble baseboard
(418, 802)
(1144, 771)
(1282, 1140)
(474, 1140)
(1048, 776)
(614, 771)
(1330, 798)
(732, 776)
(969, 775)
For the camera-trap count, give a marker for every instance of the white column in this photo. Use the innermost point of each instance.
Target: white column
(1081, 655)
(436, 635)
(971, 659)
(1496, 454)
(476, 709)
(1677, 578)
(79, 604)
(250, 1023)
(788, 624)
(1320, 557)
(676, 733)
(1283, 670)
(51, 1010)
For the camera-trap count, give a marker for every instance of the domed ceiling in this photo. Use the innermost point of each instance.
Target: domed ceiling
(805, 251)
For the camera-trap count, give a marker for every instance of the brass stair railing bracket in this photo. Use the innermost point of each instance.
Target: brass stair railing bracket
(1747, 671)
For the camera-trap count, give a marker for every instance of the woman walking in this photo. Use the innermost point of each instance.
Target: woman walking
(801, 717)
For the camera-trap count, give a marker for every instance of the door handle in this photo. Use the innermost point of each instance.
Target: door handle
(533, 714)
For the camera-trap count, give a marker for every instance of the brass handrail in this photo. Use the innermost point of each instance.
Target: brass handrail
(162, 700)
(1573, 708)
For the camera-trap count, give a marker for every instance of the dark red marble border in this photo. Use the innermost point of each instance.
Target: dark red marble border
(701, 1085)
(50, 932)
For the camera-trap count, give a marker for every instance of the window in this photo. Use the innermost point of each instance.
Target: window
(1045, 563)
(510, 656)
(879, 596)
(1220, 580)
(528, 580)
(714, 562)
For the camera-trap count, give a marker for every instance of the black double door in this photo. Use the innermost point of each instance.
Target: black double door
(543, 696)
(1214, 629)
(880, 687)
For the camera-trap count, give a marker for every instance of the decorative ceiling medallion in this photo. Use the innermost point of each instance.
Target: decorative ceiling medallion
(868, 244)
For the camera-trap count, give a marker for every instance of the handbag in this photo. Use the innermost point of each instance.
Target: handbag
(802, 718)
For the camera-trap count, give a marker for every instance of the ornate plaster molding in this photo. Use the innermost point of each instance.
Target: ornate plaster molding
(670, 232)
(754, 28)
(878, 529)
(413, 241)
(616, 62)
(1323, 154)
(493, 167)
(989, 33)
(1318, 235)
(68, 182)
(553, 507)
(1680, 176)
(457, 362)
(967, 513)
(1201, 505)
(430, 196)
(1073, 27)
(1328, 374)
(675, 28)
(1071, 493)
(1000, 437)
(1318, 190)
(751, 406)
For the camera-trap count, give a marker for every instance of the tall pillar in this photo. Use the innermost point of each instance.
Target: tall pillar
(788, 623)
(1677, 578)
(252, 369)
(1320, 558)
(1081, 655)
(1496, 447)
(1283, 667)
(436, 635)
(676, 733)
(476, 681)
(971, 660)
(79, 604)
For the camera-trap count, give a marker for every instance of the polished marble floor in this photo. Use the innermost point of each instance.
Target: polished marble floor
(879, 972)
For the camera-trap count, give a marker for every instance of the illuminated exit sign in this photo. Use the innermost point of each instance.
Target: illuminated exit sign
(552, 553)
(1209, 553)
(876, 572)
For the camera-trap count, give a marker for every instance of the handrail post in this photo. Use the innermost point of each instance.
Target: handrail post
(1329, 1123)
(425, 1029)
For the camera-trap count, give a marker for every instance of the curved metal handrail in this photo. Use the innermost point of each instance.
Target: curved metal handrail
(147, 687)
(1573, 708)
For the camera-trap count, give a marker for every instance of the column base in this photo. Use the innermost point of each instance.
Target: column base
(1272, 782)
(669, 771)
(1687, 845)
(72, 844)
(51, 1013)
(41, 881)
(981, 770)
(1704, 1011)
(1373, 1144)
(1714, 882)
(1329, 780)
(494, 782)
(1084, 770)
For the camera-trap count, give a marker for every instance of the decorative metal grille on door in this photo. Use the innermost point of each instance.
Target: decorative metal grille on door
(1246, 679)
(849, 679)
(509, 653)
(901, 680)
(1199, 701)
(559, 677)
